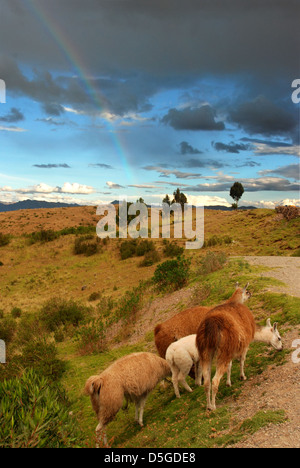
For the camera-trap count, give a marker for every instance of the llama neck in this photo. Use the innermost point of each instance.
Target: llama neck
(261, 334)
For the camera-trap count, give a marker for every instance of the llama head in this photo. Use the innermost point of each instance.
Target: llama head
(273, 336)
(242, 294)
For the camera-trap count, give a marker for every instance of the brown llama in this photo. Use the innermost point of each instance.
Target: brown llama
(225, 334)
(187, 322)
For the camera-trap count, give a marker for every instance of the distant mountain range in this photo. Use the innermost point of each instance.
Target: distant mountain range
(35, 205)
(32, 205)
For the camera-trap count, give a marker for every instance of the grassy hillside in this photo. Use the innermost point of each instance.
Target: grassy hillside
(68, 315)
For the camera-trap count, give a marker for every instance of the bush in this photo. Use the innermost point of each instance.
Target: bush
(42, 357)
(86, 245)
(59, 311)
(172, 274)
(150, 259)
(134, 248)
(4, 239)
(34, 414)
(212, 262)
(90, 337)
(172, 249)
(94, 297)
(144, 247)
(8, 329)
(128, 249)
(16, 312)
(43, 236)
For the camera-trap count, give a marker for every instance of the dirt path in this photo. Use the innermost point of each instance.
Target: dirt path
(285, 269)
(278, 387)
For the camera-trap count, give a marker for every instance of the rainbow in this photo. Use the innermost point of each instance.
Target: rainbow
(73, 57)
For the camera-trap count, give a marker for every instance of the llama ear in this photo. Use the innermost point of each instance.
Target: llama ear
(275, 326)
(237, 285)
(269, 323)
(246, 287)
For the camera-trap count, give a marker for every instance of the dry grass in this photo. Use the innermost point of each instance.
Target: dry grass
(32, 274)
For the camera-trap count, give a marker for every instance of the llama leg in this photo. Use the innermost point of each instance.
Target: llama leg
(185, 364)
(228, 383)
(175, 374)
(206, 369)
(141, 406)
(184, 383)
(101, 434)
(242, 362)
(198, 372)
(221, 369)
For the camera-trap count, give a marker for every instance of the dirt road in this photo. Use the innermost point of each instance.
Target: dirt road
(285, 269)
(278, 387)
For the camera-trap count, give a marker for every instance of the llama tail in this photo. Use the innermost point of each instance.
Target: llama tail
(93, 385)
(209, 336)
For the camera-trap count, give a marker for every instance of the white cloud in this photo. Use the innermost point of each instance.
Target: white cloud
(75, 189)
(12, 129)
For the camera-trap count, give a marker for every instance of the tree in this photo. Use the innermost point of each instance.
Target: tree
(236, 192)
(179, 197)
(167, 200)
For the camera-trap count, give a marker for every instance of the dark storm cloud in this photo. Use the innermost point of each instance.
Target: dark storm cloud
(261, 116)
(14, 116)
(186, 148)
(52, 166)
(53, 109)
(194, 36)
(101, 166)
(202, 118)
(234, 148)
(291, 171)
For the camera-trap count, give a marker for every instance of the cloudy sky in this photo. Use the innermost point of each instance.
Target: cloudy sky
(106, 98)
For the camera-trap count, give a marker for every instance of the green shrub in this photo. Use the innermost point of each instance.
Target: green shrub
(16, 312)
(150, 259)
(59, 311)
(8, 327)
(90, 337)
(296, 253)
(86, 245)
(4, 239)
(43, 236)
(34, 414)
(29, 327)
(144, 247)
(212, 262)
(42, 357)
(94, 296)
(128, 249)
(171, 249)
(172, 274)
(130, 303)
